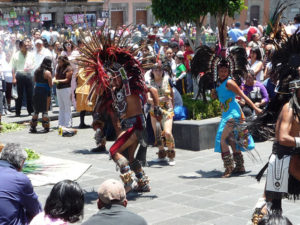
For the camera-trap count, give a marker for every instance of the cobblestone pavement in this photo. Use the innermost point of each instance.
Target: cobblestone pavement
(191, 192)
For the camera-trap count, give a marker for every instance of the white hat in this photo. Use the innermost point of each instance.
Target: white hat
(179, 54)
(38, 41)
(242, 38)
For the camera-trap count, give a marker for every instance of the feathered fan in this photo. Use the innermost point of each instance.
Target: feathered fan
(204, 65)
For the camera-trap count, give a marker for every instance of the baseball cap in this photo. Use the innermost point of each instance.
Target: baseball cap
(180, 54)
(111, 190)
(38, 41)
(242, 38)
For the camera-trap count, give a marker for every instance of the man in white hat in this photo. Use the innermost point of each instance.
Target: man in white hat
(40, 52)
(112, 204)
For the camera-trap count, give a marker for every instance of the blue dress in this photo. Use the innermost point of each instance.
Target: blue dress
(232, 110)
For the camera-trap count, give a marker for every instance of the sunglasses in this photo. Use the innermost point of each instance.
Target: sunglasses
(68, 45)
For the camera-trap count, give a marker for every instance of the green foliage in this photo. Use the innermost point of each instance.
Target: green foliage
(9, 127)
(177, 11)
(199, 110)
(32, 155)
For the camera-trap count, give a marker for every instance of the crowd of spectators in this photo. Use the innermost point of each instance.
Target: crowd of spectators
(22, 55)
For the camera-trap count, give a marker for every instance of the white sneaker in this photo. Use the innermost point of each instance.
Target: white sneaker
(172, 162)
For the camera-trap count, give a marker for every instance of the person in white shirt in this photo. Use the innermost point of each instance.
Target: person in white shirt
(296, 26)
(6, 69)
(39, 53)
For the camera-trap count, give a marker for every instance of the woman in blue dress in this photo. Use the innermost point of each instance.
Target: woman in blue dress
(228, 133)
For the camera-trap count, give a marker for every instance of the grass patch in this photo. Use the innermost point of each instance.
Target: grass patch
(10, 127)
(32, 155)
(30, 165)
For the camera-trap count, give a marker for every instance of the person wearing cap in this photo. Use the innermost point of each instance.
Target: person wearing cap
(112, 204)
(180, 78)
(164, 46)
(39, 53)
(235, 32)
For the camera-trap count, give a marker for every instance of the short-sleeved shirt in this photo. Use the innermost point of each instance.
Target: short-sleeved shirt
(179, 69)
(19, 62)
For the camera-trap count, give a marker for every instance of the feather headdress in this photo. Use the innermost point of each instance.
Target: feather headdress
(102, 57)
(205, 62)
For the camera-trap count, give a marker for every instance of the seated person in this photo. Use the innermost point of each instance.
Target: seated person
(254, 90)
(112, 204)
(18, 201)
(64, 205)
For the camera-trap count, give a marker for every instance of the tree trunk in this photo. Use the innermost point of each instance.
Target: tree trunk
(199, 24)
(222, 29)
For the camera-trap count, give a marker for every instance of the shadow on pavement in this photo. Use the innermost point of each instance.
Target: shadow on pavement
(133, 195)
(213, 174)
(90, 196)
(88, 152)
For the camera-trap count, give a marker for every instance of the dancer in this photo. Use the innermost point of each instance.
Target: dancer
(42, 94)
(227, 134)
(161, 81)
(283, 179)
(113, 71)
(226, 72)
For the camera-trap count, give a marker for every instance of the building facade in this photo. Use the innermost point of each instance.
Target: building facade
(25, 14)
(290, 12)
(125, 12)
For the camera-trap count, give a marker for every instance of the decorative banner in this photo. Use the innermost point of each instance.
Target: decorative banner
(80, 18)
(32, 19)
(6, 16)
(13, 15)
(46, 17)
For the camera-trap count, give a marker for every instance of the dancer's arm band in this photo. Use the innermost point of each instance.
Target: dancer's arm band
(297, 140)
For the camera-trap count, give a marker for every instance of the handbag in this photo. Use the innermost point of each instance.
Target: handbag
(14, 92)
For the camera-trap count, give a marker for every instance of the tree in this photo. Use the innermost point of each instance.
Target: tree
(194, 11)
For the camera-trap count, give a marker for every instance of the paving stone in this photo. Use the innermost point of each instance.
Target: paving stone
(192, 192)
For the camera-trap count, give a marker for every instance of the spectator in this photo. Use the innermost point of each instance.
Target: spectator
(256, 63)
(180, 78)
(72, 54)
(6, 69)
(255, 91)
(175, 47)
(296, 26)
(42, 94)
(62, 80)
(40, 53)
(112, 204)
(18, 201)
(64, 204)
(255, 42)
(188, 56)
(235, 32)
(23, 64)
(171, 61)
(2, 91)
(176, 38)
